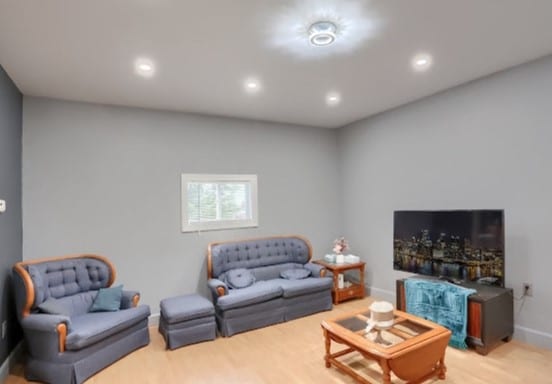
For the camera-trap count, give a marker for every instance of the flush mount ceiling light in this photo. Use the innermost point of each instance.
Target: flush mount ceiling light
(144, 67)
(322, 33)
(313, 29)
(421, 62)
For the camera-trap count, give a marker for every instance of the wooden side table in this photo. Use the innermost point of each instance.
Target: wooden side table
(353, 291)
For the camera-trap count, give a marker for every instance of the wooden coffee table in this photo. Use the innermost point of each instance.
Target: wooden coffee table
(413, 348)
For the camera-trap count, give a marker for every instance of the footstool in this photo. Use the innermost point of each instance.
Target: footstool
(186, 320)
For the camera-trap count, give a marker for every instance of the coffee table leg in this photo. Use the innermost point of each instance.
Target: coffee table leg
(386, 371)
(327, 344)
(443, 369)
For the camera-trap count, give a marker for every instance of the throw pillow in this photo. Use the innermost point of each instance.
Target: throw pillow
(54, 307)
(295, 273)
(239, 278)
(108, 299)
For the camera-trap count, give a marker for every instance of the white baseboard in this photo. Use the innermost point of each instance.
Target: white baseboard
(13, 358)
(533, 337)
(381, 294)
(153, 320)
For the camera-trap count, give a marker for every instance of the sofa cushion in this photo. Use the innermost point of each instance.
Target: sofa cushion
(108, 299)
(257, 293)
(292, 288)
(295, 273)
(239, 278)
(184, 308)
(92, 327)
(54, 307)
(271, 272)
(74, 305)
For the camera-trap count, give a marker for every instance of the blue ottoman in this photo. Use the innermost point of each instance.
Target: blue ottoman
(186, 320)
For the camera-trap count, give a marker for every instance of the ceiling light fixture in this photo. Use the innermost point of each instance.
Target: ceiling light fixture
(252, 85)
(322, 33)
(307, 27)
(144, 67)
(421, 62)
(333, 98)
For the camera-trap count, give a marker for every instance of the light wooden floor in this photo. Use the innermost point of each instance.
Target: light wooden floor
(293, 352)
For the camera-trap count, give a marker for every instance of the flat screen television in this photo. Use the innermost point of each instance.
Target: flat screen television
(462, 245)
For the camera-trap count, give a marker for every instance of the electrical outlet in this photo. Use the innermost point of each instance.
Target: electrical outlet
(2, 206)
(4, 328)
(527, 289)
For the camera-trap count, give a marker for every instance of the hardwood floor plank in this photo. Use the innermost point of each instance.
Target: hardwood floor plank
(293, 352)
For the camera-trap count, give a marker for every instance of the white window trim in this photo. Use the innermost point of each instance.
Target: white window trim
(219, 224)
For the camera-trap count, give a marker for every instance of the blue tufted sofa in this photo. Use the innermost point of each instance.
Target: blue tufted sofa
(71, 345)
(270, 299)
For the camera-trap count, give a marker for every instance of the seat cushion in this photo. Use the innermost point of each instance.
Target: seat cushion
(92, 327)
(257, 293)
(187, 307)
(294, 288)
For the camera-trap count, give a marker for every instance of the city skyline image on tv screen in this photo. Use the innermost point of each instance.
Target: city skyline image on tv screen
(463, 245)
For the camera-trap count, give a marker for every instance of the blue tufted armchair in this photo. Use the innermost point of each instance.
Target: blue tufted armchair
(66, 343)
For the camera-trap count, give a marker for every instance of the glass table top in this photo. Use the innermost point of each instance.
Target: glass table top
(403, 329)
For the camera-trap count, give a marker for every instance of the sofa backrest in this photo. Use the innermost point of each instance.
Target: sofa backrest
(38, 280)
(257, 253)
(274, 271)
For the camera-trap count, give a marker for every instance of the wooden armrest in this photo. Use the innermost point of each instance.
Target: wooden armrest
(221, 291)
(62, 336)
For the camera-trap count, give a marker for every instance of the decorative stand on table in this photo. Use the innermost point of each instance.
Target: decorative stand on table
(355, 290)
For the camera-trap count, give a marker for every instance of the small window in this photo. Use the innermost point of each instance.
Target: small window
(218, 202)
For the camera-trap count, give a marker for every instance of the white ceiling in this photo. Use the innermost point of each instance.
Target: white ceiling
(204, 50)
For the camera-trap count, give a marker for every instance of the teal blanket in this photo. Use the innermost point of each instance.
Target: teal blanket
(442, 303)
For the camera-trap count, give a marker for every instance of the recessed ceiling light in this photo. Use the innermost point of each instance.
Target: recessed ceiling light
(333, 98)
(322, 33)
(144, 67)
(421, 62)
(252, 85)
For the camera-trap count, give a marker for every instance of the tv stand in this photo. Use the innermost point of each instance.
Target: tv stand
(490, 314)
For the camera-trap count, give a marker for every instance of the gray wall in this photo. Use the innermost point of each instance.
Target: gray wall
(107, 180)
(482, 145)
(10, 190)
